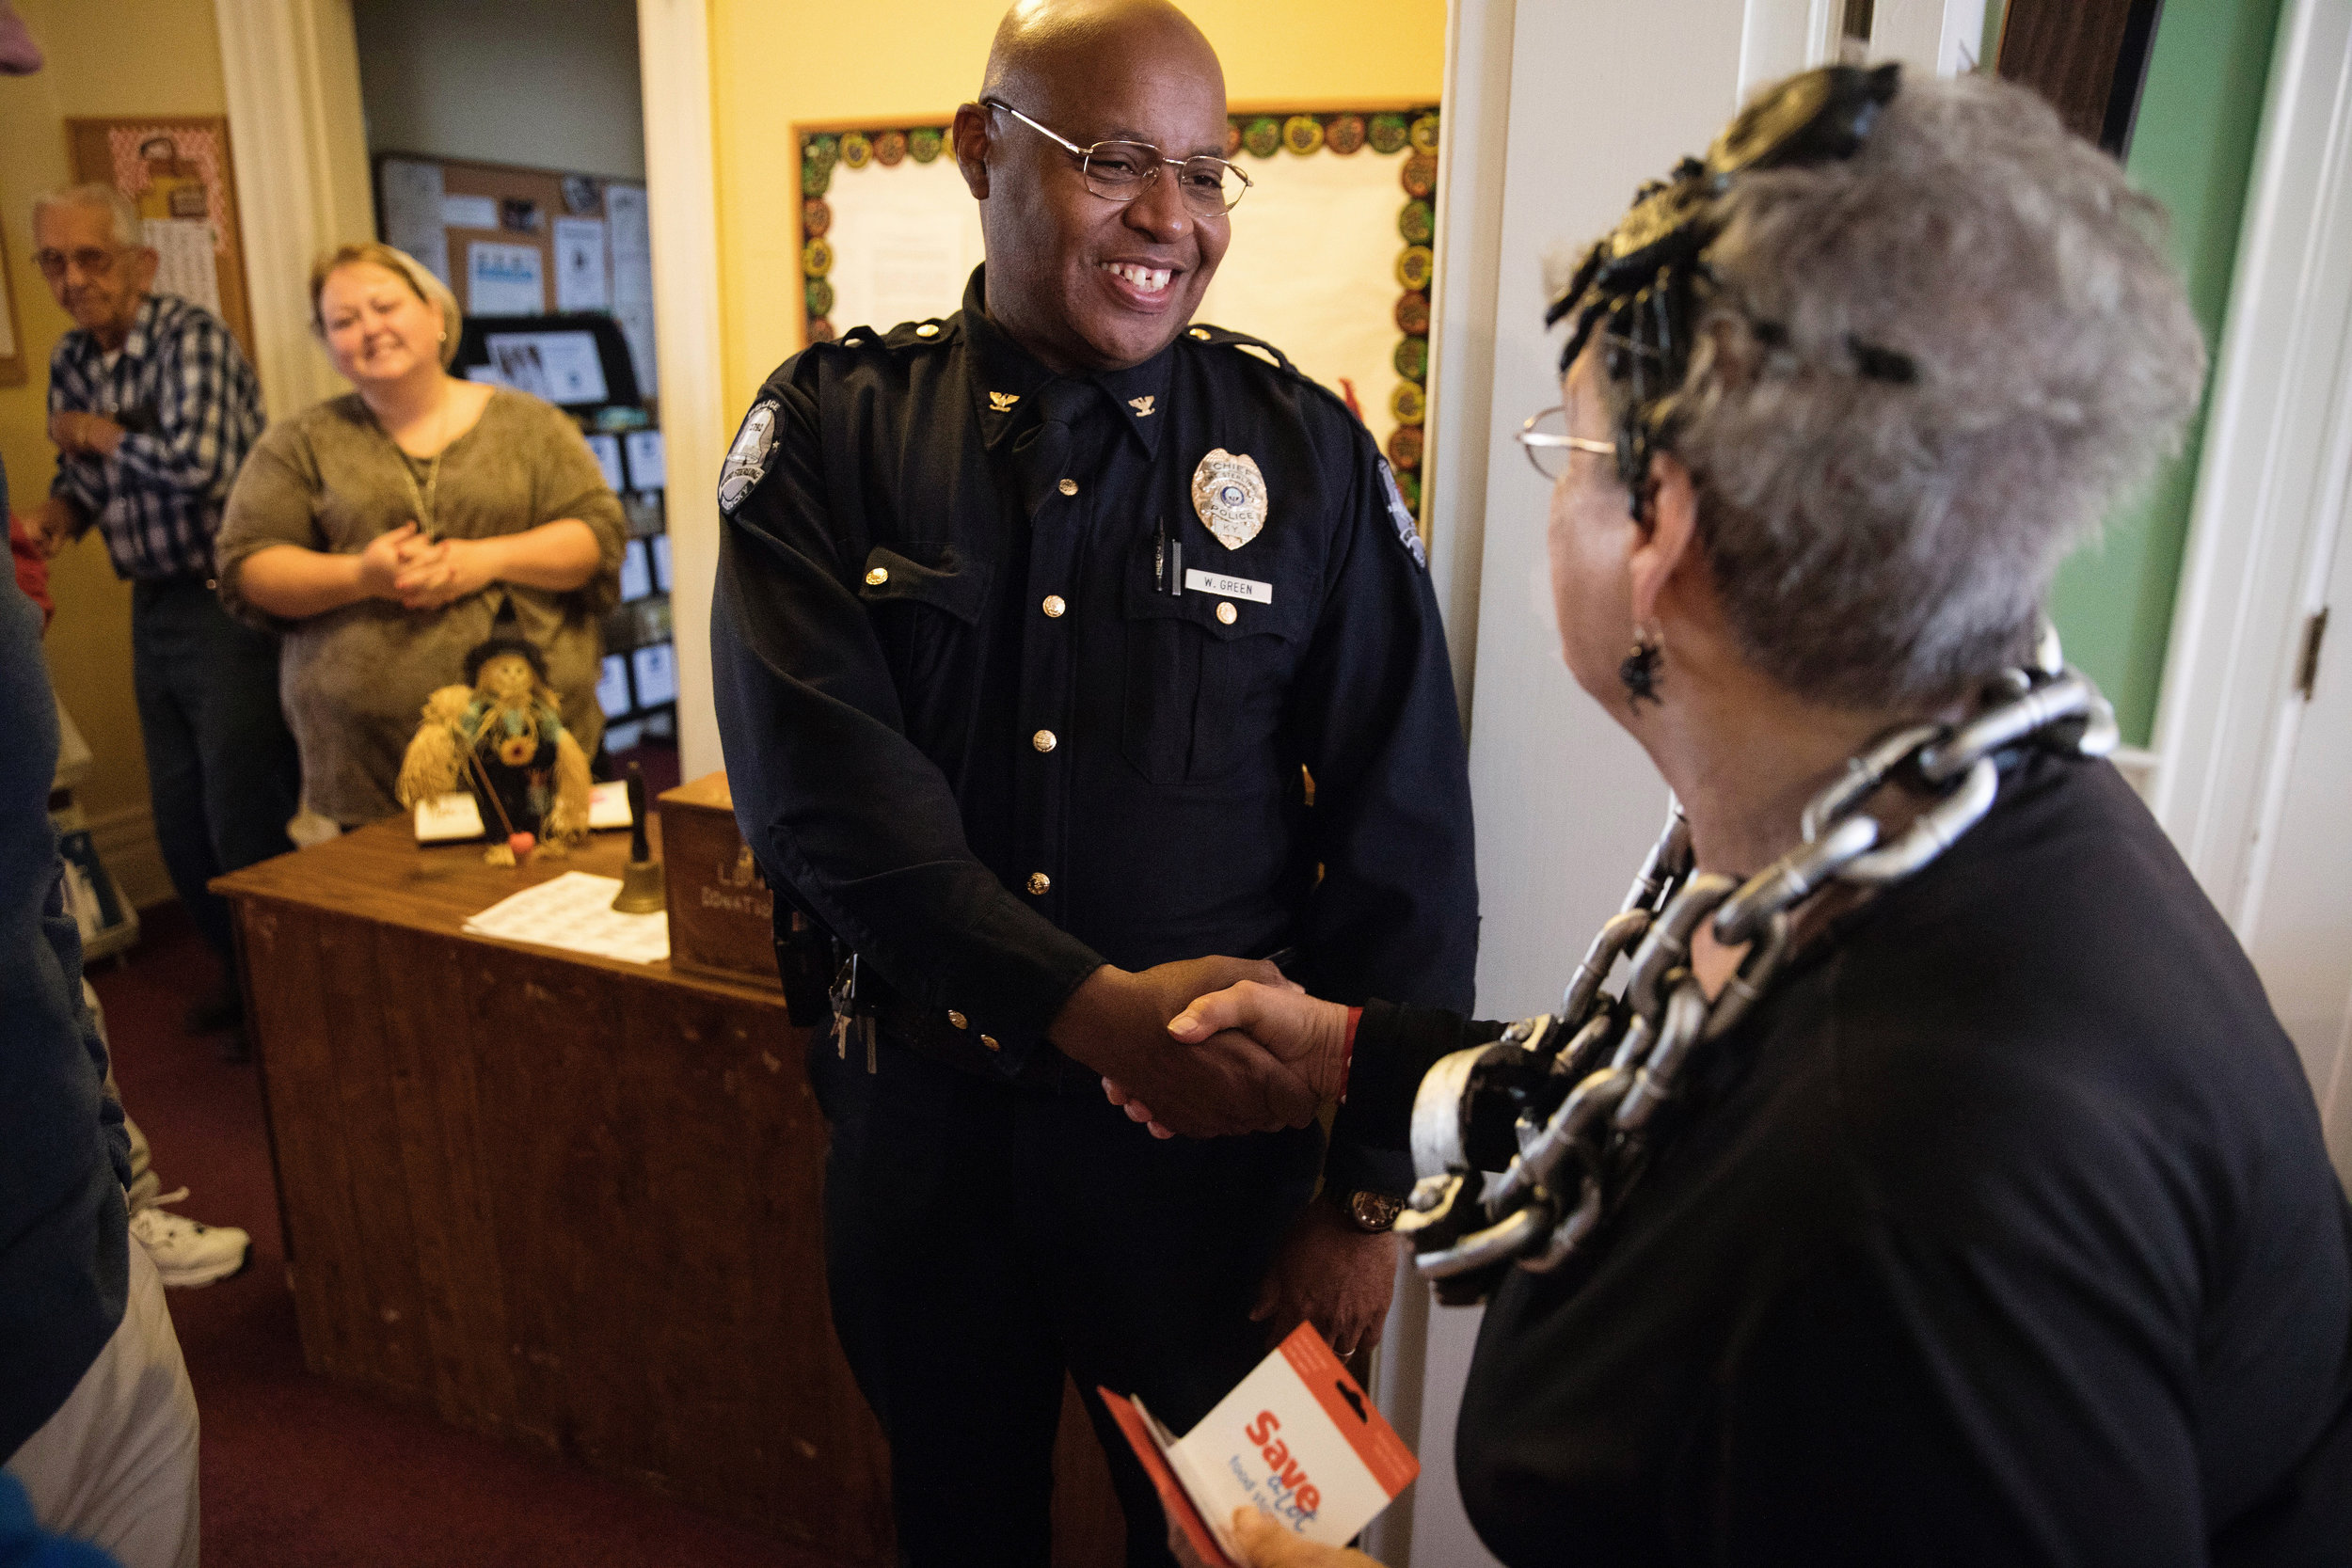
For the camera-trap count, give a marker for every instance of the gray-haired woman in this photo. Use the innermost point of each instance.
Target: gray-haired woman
(1938, 1187)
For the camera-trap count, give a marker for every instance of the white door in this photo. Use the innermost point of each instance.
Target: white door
(2297, 923)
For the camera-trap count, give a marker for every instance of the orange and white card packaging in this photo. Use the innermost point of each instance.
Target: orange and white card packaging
(1296, 1438)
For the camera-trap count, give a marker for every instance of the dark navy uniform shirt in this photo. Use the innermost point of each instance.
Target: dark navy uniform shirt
(969, 730)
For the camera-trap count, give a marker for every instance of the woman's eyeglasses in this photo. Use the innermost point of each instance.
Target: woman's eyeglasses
(1548, 443)
(1123, 170)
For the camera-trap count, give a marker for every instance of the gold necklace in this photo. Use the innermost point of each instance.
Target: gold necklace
(427, 501)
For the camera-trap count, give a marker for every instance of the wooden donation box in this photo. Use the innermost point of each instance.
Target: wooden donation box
(571, 1200)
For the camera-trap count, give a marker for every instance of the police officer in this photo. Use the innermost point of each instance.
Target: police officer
(1032, 626)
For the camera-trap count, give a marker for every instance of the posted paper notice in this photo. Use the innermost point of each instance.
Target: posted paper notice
(504, 281)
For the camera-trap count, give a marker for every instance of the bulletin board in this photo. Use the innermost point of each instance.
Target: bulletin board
(1330, 259)
(525, 242)
(176, 171)
(11, 327)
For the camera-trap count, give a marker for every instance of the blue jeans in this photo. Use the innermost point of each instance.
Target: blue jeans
(222, 771)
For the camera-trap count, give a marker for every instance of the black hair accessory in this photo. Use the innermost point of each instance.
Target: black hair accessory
(1644, 281)
(490, 648)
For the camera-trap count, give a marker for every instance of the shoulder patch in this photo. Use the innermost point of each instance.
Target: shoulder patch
(1407, 530)
(747, 459)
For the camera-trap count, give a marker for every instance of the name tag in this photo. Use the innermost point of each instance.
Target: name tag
(1231, 588)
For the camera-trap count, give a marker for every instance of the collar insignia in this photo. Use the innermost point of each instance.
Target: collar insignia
(1229, 493)
(1001, 403)
(1142, 407)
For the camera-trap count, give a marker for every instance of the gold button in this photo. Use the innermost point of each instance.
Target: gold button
(878, 576)
(989, 1040)
(1067, 486)
(1053, 607)
(1040, 883)
(1044, 740)
(929, 329)
(958, 1019)
(1201, 333)
(1226, 613)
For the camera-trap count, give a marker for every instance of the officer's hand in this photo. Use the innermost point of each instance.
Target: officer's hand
(1333, 1276)
(1116, 1022)
(1308, 1037)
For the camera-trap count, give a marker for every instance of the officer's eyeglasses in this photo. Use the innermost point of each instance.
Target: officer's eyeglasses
(1548, 443)
(1123, 170)
(90, 261)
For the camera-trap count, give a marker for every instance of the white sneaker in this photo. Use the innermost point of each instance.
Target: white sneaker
(188, 1254)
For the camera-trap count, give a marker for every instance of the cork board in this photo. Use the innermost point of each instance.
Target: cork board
(547, 241)
(176, 171)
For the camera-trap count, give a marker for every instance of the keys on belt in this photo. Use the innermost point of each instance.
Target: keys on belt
(847, 1021)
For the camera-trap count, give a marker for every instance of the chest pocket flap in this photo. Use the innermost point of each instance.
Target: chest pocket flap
(1207, 672)
(938, 574)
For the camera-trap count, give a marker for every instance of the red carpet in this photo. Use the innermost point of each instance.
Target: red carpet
(299, 1472)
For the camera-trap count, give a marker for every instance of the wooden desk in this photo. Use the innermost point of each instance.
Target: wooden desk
(567, 1200)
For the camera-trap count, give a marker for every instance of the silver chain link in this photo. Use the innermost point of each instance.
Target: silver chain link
(1580, 1089)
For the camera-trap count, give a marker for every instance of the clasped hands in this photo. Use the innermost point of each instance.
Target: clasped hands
(423, 573)
(1207, 1046)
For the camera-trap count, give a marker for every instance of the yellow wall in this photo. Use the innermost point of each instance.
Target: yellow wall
(160, 56)
(774, 65)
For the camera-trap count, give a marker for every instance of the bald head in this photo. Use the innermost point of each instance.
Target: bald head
(1044, 47)
(1082, 278)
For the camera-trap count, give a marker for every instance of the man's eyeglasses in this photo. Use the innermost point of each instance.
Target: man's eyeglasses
(1548, 443)
(90, 261)
(1123, 170)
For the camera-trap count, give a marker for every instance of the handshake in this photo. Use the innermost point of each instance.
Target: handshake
(1207, 1046)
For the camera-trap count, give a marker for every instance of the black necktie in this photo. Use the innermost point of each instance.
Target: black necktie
(1040, 455)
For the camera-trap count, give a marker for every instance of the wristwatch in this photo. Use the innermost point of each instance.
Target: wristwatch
(1374, 1213)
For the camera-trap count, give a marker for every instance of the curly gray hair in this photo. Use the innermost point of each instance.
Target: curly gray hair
(1880, 546)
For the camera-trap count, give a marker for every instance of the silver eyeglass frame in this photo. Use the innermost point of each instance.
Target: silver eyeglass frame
(1085, 160)
(1533, 440)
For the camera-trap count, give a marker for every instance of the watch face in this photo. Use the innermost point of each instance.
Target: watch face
(1374, 1211)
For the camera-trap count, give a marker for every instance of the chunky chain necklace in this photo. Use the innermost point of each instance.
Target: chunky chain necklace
(1574, 1093)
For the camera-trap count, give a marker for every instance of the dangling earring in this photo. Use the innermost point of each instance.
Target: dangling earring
(1638, 671)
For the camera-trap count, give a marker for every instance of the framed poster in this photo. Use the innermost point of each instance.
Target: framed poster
(11, 329)
(176, 172)
(1330, 259)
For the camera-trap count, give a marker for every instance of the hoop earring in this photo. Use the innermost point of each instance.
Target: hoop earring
(1638, 671)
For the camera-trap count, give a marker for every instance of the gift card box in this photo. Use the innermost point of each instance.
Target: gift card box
(1297, 1437)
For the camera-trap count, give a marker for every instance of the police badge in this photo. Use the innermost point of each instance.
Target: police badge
(747, 460)
(1229, 493)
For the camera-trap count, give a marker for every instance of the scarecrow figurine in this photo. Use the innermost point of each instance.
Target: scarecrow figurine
(500, 736)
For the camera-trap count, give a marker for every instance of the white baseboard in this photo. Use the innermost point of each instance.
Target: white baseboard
(125, 841)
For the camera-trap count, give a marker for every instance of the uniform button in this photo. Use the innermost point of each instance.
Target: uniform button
(1044, 740)
(1053, 607)
(1067, 486)
(1040, 883)
(958, 1019)
(989, 1040)
(878, 576)
(1201, 333)
(929, 329)
(1226, 613)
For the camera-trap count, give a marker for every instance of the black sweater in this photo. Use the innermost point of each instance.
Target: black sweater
(2002, 1233)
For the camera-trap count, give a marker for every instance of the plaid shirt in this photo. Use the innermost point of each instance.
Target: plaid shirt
(191, 409)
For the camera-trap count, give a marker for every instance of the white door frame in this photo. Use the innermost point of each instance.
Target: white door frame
(682, 183)
(2263, 514)
(291, 68)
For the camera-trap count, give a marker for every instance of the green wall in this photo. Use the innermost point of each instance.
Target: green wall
(2192, 148)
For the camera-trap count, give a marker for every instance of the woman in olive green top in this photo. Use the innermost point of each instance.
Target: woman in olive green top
(384, 532)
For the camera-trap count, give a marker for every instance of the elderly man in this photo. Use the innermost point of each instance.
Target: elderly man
(152, 407)
(1032, 624)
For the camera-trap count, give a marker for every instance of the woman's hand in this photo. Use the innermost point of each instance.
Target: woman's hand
(448, 572)
(1307, 1036)
(386, 557)
(1267, 1544)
